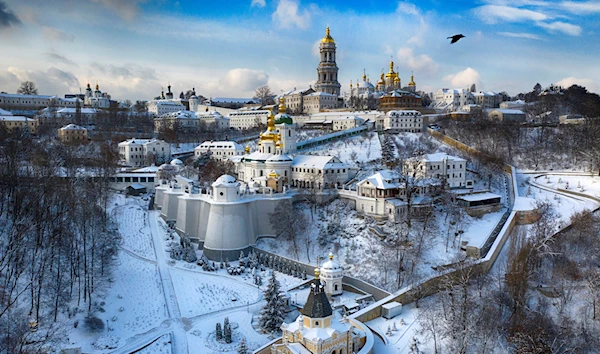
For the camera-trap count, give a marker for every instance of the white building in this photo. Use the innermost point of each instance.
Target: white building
(450, 169)
(331, 276)
(571, 119)
(72, 133)
(403, 121)
(488, 99)
(161, 107)
(214, 120)
(142, 152)
(450, 100)
(220, 150)
(96, 99)
(18, 102)
(347, 122)
(318, 101)
(518, 104)
(247, 119)
(63, 116)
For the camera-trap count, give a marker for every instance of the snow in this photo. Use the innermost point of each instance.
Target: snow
(365, 146)
(399, 340)
(478, 196)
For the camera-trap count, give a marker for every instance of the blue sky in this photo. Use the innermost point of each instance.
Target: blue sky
(132, 48)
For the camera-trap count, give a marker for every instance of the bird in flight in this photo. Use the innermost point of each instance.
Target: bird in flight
(455, 38)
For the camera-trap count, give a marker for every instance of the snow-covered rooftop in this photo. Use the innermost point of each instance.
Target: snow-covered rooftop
(72, 127)
(439, 157)
(385, 179)
(479, 196)
(16, 119)
(509, 111)
(5, 113)
(220, 145)
(317, 162)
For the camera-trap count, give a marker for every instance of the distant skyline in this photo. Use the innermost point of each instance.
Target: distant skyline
(132, 48)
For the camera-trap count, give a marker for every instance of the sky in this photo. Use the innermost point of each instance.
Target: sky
(134, 48)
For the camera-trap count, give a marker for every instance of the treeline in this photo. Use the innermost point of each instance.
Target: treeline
(56, 242)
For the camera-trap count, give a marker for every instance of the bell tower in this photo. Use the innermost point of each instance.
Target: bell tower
(327, 71)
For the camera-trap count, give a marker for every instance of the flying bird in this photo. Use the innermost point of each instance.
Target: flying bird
(455, 38)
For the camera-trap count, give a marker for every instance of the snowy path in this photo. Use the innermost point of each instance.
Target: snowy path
(179, 339)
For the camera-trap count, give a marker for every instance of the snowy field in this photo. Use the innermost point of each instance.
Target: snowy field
(161, 346)
(399, 340)
(563, 204)
(132, 221)
(359, 148)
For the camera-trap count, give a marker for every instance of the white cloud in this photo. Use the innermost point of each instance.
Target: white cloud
(464, 79)
(520, 35)
(258, 3)
(581, 8)
(54, 34)
(563, 27)
(408, 8)
(570, 81)
(288, 16)
(243, 80)
(499, 13)
(421, 63)
(59, 58)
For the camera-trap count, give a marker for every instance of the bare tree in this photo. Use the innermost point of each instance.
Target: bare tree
(27, 88)
(264, 95)
(289, 223)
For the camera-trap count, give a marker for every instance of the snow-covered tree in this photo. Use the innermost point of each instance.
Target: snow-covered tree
(414, 346)
(272, 313)
(252, 260)
(243, 348)
(218, 331)
(227, 330)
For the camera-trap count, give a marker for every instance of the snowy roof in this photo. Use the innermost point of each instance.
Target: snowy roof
(330, 264)
(279, 158)
(383, 180)
(391, 305)
(137, 186)
(319, 162)
(71, 110)
(524, 204)
(72, 127)
(16, 119)
(321, 94)
(508, 111)
(176, 162)
(16, 95)
(225, 180)
(5, 113)
(165, 103)
(220, 145)
(401, 113)
(479, 196)
(366, 84)
(256, 156)
(152, 169)
(439, 157)
(314, 334)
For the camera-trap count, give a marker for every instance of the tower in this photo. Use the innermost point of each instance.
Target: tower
(412, 86)
(270, 138)
(327, 71)
(331, 276)
(287, 129)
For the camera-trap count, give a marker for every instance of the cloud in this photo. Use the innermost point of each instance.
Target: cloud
(53, 56)
(465, 78)
(241, 79)
(126, 71)
(52, 81)
(258, 3)
(421, 63)
(7, 17)
(127, 9)
(570, 81)
(288, 16)
(53, 34)
(408, 8)
(520, 35)
(581, 8)
(492, 14)
(564, 27)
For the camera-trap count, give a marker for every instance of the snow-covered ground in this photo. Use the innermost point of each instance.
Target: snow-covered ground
(359, 148)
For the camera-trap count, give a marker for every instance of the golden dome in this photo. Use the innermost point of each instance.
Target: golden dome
(396, 79)
(282, 107)
(274, 174)
(328, 38)
(381, 82)
(391, 73)
(247, 149)
(412, 81)
(317, 273)
(97, 87)
(271, 133)
(364, 77)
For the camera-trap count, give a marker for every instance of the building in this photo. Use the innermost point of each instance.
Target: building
(319, 101)
(327, 71)
(294, 100)
(14, 123)
(518, 104)
(219, 150)
(54, 117)
(303, 171)
(248, 118)
(32, 103)
(96, 99)
(450, 100)
(214, 120)
(507, 115)
(224, 219)
(346, 122)
(161, 107)
(73, 134)
(400, 99)
(143, 152)
(320, 330)
(191, 121)
(571, 119)
(451, 170)
(487, 100)
(331, 277)
(403, 121)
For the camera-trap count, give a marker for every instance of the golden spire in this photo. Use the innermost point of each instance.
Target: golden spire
(271, 121)
(364, 77)
(282, 107)
(317, 273)
(391, 66)
(350, 84)
(97, 87)
(247, 149)
(327, 38)
(412, 80)
(330, 256)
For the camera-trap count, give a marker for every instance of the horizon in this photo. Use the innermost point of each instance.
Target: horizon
(133, 48)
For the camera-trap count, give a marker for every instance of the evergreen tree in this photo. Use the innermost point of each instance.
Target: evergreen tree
(273, 312)
(227, 330)
(252, 260)
(414, 346)
(218, 331)
(243, 349)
